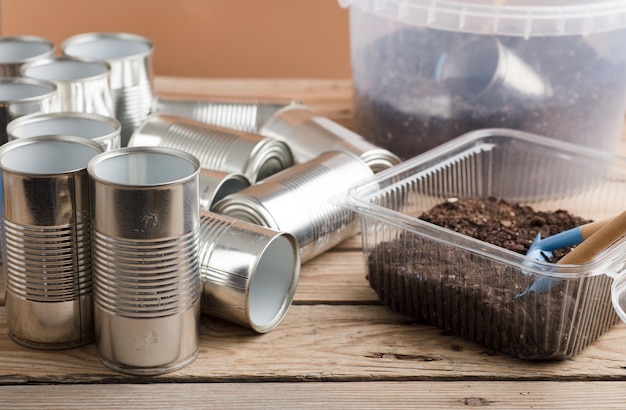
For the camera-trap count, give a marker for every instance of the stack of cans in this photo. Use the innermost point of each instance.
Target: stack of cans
(125, 216)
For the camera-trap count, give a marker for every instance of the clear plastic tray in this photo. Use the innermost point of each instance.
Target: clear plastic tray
(468, 287)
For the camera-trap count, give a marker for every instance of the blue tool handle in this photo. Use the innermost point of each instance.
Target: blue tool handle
(561, 240)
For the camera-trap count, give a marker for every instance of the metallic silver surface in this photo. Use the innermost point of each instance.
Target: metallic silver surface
(132, 82)
(308, 135)
(23, 96)
(98, 128)
(145, 222)
(47, 240)
(483, 69)
(240, 115)
(215, 185)
(17, 50)
(217, 148)
(83, 85)
(304, 200)
(249, 273)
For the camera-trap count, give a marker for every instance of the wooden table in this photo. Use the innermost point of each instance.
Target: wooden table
(337, 346)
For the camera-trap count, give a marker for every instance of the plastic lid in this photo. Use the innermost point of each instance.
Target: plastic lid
(527, 18)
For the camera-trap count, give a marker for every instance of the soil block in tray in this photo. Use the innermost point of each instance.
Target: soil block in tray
(476, 297)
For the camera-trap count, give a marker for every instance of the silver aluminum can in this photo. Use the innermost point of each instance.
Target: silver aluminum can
(304, 200)
(17, 50)
(46, 240)
(308, 135)
(145, 221)
(217, 148)
(98, 128)
(22, 96)
(482, 70)
(82, 85)
(216, 185)
(241, 115)
(132, 79)
(249, 273)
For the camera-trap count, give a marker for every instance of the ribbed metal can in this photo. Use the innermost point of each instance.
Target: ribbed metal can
(22, 96)
(249, 273)
(216, 185)
(132, 80)
(17, 50)
(83, 85)
(304, 200)
(219, 149)
(47, 240)
(239, 114)
(145, 222)
(98, 128)
(309, 135)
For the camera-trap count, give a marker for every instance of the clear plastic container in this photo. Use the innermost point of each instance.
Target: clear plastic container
(426, 71)
(471, 288)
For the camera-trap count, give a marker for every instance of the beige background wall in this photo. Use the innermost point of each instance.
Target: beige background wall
(205, 38)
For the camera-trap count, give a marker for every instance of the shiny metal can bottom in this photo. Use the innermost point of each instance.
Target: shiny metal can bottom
(50, 326)
(147, 346)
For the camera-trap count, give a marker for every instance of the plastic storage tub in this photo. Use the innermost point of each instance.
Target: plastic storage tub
(426, 71)
(469, 287)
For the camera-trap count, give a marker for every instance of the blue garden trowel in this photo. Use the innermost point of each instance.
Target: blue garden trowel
(541, 250)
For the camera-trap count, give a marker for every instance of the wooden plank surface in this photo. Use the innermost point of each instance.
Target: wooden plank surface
(324, 343)
(363, 395)
(336, 332)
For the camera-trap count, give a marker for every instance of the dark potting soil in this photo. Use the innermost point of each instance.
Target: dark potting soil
(509, 226)
(475, 298)
(400, 105)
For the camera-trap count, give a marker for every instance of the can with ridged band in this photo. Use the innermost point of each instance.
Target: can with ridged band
(249, 273)
(131, 77)
(309, 134)
(82, 84)
(96, 127)
(145, 221)
(305, 201)
(21, 96)
(47, 240)
(240, 114)
(18, 50)
(215, 185)
(217, 148)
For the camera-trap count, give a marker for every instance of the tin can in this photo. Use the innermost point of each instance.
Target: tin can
(482, 70)
(82, 85)
(17, 50)
(145, 221)
(217, 148)
(98, 128)
(46, 240)
(249, 273)
(304, 200)
(241, 114)
(22, 96)
(132, 79)
(216, 185)
(309, 135)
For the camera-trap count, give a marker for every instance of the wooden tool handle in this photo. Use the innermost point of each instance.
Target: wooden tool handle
(592, 227)
(597, 242)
